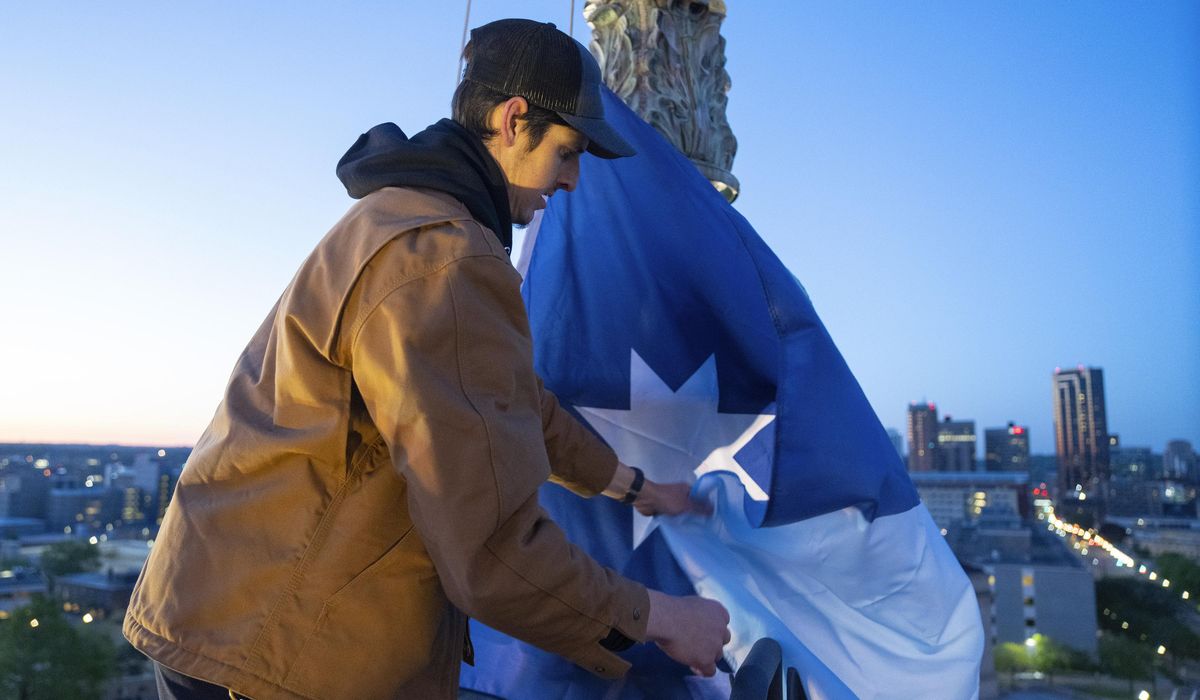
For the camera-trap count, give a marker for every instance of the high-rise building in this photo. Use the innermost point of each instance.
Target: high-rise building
(1006, 449)
(955, 446)
(1081, 433)
(1179, 461)
(922, 436)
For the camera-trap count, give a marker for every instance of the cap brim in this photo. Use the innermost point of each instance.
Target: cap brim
(603, 140)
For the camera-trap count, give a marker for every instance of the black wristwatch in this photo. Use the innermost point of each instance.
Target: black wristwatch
(639, 478)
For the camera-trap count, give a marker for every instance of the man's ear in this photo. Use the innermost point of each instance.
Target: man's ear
(504, 119)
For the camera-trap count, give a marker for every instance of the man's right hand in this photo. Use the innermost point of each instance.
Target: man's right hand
(692, 630)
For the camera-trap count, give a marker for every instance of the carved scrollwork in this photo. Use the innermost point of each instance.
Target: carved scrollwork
(666, 60)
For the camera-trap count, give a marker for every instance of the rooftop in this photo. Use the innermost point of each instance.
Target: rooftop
(964, 478)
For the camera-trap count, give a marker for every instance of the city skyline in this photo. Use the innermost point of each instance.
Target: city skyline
(972, 196)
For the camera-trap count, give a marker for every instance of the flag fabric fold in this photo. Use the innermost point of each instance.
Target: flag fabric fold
(663, 320)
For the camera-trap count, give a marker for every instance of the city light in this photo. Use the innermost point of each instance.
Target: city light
(1092, 538)
(34, 622)
(1031, 642)
(1144, 695)
(87, 618)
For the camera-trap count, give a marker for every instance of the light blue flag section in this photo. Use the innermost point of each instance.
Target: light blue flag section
(668, 326)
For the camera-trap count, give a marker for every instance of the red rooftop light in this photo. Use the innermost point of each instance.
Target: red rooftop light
(1018, 430)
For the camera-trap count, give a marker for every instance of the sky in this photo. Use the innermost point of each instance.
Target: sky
(972, 193)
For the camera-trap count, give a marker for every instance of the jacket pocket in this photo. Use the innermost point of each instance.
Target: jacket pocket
(377, 632)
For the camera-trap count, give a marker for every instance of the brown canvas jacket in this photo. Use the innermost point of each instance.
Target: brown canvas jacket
(370, 480)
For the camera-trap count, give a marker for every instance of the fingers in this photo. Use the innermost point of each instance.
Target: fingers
(670, 499)
(728, 637)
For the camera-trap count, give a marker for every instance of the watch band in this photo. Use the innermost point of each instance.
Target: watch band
(639, 478)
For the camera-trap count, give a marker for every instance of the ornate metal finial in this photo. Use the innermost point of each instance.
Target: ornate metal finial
(666, 59)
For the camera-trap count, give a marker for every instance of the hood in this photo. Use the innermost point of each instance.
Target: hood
(444, 157)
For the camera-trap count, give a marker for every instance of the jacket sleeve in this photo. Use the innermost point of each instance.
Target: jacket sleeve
(444, 365)
(579, 460)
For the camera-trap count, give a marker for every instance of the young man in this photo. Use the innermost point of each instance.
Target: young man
(370, 478)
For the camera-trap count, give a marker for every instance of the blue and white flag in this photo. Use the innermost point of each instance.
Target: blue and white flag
(663, 320)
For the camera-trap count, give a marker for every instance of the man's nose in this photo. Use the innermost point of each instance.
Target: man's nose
(568, 177)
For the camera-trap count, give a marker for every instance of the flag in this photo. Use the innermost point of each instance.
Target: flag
(662, 319)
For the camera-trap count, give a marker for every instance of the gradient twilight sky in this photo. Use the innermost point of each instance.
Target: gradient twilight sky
(972, 193)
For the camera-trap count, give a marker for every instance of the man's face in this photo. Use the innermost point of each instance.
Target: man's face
(536, 174)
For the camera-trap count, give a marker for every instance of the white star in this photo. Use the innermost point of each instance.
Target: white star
(676, 435)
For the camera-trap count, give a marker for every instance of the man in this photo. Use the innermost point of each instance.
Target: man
(370, 478)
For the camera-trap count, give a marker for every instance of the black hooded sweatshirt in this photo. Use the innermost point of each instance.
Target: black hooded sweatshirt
(444, 157)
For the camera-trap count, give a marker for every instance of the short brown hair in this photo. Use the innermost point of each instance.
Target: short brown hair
(473, 103)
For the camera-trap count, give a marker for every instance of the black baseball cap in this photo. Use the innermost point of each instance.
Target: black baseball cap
(549, 69)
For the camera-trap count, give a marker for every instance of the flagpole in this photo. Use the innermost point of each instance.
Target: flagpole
(462, 45)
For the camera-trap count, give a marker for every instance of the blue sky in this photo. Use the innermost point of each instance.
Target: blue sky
(973, 194)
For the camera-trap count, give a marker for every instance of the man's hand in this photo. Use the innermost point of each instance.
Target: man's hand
(691, 630)
(655, 498)
(668, 499)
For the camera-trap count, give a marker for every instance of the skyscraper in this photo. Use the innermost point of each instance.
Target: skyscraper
(1006, 449)
(1081, 433)
(922, 436)
(955, 446)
